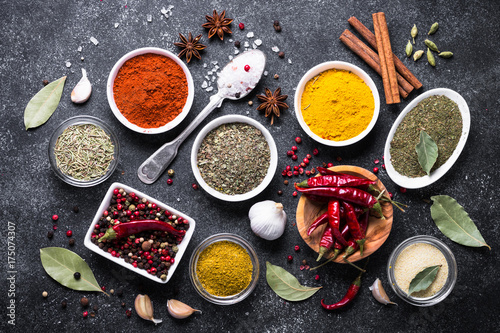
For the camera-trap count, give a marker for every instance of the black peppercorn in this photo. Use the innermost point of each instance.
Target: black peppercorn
(237, 43)
(277, 28)
(237, 95)
(95, 308)
(123, 304)
(280, 192)
(77, 275)
(64, 303)
(281, 54)
(50, 234)
(276, 22)
(71, 241)
(45, 82)
(76, 209)
(84, 301)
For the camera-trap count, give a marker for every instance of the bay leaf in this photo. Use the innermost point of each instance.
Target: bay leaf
(453, 221)
(43, 104)
(286, 286)
(61, 264)
(423, 279)
(427, 151)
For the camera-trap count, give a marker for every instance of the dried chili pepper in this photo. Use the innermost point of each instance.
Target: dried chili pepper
(334, 220)
(325, 171)
(340, 180)
(326, 242)
(352, 245)
(349, 296)
(349, 194)
(322, 219)
(126, 229)
(357, 234)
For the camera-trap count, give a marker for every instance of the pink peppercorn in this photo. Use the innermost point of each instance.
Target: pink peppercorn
(402, 189)
(241, 26)
(247, 68)
(315, 151)
(294, 157)
(55, 217)
(375, 170)
(294, 193)
(69, 233)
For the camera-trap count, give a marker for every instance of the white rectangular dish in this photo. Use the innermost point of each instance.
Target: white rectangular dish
(182, 246)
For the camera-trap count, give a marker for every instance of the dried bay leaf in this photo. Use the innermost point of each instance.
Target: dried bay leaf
(423, 279)
(43, 104)
(427, 151)
(61, 264)
(453, 221)
(286, 286)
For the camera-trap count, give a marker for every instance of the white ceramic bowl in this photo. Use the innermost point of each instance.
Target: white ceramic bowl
(105, 204)
(234, 119)
(336, 65)
(119, 115)
(420, 182)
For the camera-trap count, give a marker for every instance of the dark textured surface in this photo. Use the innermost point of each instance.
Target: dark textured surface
(38, 37)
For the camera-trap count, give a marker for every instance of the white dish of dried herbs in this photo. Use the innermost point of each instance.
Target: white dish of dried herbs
(83, 151)
(427, 138)
(234, 158)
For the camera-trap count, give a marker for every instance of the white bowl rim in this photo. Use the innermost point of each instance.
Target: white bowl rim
(233, 118)
(182, 245)
(168, 126)
(336, 65)
(419, 182)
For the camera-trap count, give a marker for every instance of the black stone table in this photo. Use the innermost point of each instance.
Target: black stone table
(38, 39)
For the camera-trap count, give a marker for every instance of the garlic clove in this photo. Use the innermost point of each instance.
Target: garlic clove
(144, 308)
(82, 90)
(379, 293)
(267, 219)
(179, 310)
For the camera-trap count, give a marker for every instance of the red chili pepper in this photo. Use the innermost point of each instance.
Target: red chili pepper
(126, 229)
(325, 171)
(349, 296)
(334, 220)
(322, 219)
(326, 242)
(357, 234)
(352, 245)
(349, 194)
(340, 180)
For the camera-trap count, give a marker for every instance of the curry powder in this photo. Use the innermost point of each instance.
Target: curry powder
(337, 105)
(224, 268)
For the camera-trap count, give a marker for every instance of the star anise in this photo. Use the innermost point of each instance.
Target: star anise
(272, 103)
(217, 24)
(190, 47)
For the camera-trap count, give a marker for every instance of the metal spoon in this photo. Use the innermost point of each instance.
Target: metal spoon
(236, 80)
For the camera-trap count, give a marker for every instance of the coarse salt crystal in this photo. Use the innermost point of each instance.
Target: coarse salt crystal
(216, 67)
(82, 59)
(94, 40)
(250, 34)
(236, 51)
(213, 78)
(149, 18)
(209, 89)
(209, 73)
(265, 73)
(206, 77)
(246, 44)
(116, 25)
(289, 61)
(68, 64)
(258, 42)
(163, 11)
(205, 65)
(275, 49)
(204, 85)
(79, 49)
(214, 62)
(230, 40)
(254, 46)
(230, 57)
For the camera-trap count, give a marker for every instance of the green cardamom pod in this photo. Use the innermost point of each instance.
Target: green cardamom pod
(418, 54)
(434, 28)
(446, 54)
(414, 32)
(409, 49)
(430, 58)
(431, 45)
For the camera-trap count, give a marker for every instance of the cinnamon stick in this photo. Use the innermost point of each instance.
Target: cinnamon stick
(370, 38)
(372, 59)
(386, 63)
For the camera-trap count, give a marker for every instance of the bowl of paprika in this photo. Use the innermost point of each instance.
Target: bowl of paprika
(150, 90)
(337, 103)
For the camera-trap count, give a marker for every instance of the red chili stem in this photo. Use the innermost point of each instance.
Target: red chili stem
(123, 230)
(349, 194)
(334, 220)
(322, 219)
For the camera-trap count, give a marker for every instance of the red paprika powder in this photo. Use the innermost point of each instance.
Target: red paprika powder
(150, 90)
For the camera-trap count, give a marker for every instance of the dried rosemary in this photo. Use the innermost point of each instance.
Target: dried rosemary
(234, 158)
(84, 152)
(439, 117)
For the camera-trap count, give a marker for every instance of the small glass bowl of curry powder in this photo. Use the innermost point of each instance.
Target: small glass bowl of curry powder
(224, 269)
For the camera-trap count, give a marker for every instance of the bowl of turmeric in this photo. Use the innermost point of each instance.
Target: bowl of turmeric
(337, 103)
(150, 90)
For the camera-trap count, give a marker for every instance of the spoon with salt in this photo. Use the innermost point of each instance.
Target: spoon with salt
(236, 80)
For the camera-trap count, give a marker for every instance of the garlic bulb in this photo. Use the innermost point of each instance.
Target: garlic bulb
(179, 310)
(144, 308)
(82, 90)
(267, 219)
(379, 293)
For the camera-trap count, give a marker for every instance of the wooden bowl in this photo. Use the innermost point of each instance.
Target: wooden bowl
(378, 229)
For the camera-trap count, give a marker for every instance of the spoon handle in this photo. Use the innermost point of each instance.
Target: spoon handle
(155, 165)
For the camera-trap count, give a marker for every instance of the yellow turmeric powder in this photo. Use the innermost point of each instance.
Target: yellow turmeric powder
(224, 268)
(337, 105)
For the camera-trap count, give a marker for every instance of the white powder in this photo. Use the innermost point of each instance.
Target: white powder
(413, 260)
